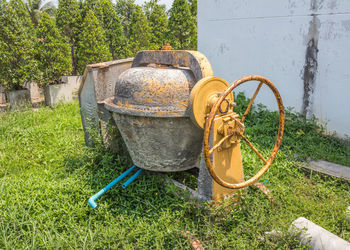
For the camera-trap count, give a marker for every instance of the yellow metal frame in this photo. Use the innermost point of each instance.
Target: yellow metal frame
(212, 103)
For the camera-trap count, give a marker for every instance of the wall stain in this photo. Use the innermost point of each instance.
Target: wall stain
(316, 5)
(311, 63)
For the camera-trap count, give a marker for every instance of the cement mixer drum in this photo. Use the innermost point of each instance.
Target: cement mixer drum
(151, 108)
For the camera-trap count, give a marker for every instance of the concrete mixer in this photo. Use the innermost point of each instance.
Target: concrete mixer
(174, 115)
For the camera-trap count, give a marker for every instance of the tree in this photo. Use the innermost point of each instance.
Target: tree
(92, 47)
(124, 9)
(68, 20)
(87, 5)
(182, 27)
(17, 41)
(140, 32)
(158, 22)
(108, 18)
(193, 8)
(53, 54)
(37, 7)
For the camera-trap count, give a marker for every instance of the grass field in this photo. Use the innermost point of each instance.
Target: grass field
(47, 176)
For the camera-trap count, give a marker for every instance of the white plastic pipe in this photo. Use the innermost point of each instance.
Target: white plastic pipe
(317, 237)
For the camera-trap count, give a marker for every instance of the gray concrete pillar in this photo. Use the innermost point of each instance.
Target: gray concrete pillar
(317, 237)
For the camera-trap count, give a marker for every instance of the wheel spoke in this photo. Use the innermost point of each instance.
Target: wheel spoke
(220, 143)
(254, 149)
(251, 101)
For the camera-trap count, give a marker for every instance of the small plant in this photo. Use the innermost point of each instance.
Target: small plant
(52, 53)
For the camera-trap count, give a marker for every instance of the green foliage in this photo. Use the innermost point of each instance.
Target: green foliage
(182, 26)
(92, 44)
(47, 176)
(124, 9)
(17, 41)
(37, 7)
(193, 8)
(158, 22)
(53, 54)
(113, 28)
(305, 138)
(140, 32)
(68, 20)
(87, 5)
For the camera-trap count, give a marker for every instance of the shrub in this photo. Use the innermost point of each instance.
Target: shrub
(140, 32)
(182, 26)
(158, 22)
(17, 41)
(92, 46)
(52, 53)
(68, 20)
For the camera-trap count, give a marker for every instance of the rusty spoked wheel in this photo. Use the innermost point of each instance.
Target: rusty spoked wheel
(209, 123)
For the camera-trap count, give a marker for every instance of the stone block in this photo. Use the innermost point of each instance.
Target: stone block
(329, 168)
(316, 237)
(33, 88)
(57, 93)
(19, 98)
(73, 81)
(2, 95)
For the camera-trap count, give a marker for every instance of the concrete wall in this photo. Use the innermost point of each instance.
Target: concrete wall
(73, 81)
(303, 46)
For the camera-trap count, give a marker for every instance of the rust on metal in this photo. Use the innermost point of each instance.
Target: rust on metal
(265, 190)
(193, 60)
(166, 47)
(220, 143)
(152, 91)
(227, 159)
(254, 149)
(209, 124)
(205, 94)
(151, 109)
(251, 101)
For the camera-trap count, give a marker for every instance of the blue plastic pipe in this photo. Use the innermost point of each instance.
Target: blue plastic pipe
(132, 178)
(103, 190)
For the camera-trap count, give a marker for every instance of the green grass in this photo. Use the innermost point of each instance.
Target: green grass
(47, 176)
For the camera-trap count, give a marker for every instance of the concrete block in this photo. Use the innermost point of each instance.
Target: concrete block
(19, 98)
(57, 93)
(316, 237)
(329, 168)
(2, 95)
(73, 81)
(33, 88)
(4, 107)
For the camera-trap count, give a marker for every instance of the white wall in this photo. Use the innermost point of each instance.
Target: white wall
(271, 37)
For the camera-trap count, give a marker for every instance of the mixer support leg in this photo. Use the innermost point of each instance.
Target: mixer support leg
(205, 181)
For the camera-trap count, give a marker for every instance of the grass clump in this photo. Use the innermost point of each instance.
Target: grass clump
(47, 175)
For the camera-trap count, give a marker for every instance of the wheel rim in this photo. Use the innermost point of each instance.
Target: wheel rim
(209, 123)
